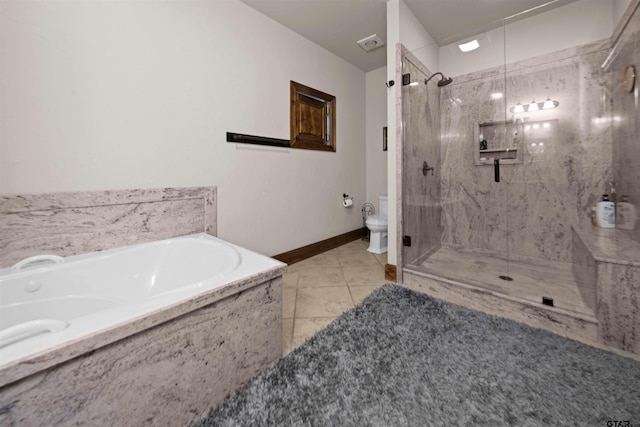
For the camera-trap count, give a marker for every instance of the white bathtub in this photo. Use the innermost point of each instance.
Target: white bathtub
(51, 305)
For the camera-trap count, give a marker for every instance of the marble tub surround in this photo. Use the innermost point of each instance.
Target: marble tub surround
(77, 222)
(165, 367)
(168, 374)
(48, 359)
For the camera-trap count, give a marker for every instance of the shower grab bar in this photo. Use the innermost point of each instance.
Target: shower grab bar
(26, 330)
(496, 170)
(38, 258)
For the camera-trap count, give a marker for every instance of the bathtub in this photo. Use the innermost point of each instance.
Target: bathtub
(55, 313)
(56, 302)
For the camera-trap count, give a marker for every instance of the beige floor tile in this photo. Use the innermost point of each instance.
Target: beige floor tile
(288, 302)
(327, 259)
(358, 259)
(322, 302)
(382, 258)
(315, 290)
(290, 278)
(306, 328)
(287, 336)
(359, 293)
(364, 276)
(351, 247)
(321, 277)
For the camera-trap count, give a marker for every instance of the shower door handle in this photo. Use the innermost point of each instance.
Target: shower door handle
(426, 168)
(496, 170)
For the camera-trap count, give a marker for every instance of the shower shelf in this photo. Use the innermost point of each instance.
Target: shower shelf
(498, 150)
(501, 140)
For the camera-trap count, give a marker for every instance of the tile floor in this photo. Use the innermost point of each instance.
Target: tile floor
(319, 289)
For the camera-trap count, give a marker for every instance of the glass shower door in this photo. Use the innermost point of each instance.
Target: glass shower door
(421, 207)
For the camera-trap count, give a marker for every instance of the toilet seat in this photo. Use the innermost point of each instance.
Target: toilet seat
(376, 220)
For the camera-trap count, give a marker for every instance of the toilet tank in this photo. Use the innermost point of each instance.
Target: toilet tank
(382, 203)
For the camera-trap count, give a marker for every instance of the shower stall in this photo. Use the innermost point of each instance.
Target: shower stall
(500, 169)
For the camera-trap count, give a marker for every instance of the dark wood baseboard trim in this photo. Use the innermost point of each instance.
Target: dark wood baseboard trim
(300, 254)
(390, 273)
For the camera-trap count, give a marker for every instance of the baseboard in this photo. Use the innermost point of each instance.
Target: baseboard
(300, 254)
(390, 273)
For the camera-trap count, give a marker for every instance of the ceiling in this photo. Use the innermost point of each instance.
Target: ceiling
(337, 25)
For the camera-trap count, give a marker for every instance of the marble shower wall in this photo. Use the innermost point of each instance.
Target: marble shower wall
(421, 193)
(530, 212)
(77, 222)
(626, 119)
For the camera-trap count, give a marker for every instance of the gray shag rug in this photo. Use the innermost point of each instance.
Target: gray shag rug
(406, 359)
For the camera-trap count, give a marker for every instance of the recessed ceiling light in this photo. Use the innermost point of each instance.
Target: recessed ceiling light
(371, 42)
(469, 46)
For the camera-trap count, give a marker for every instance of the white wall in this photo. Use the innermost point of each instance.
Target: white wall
(376, 119)
(112, 95)
(574, 24)
(393, 38)
(619, 8)
(418, 40)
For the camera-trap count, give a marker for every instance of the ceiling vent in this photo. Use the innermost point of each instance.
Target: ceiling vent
(371, 42)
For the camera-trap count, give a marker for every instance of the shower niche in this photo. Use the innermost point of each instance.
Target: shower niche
(498, 140)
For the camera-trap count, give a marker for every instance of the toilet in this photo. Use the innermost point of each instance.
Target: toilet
(377, 224)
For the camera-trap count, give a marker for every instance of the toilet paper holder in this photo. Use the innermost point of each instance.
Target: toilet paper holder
(347, 201)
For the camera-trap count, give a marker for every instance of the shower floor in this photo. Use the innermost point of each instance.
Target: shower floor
(532, 280)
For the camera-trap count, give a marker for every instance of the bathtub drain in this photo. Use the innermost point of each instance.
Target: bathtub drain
(507, 278)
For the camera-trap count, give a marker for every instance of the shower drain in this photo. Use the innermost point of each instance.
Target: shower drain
(507, 278)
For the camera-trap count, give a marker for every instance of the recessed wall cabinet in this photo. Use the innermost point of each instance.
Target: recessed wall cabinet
(313, 118)
(498, 140)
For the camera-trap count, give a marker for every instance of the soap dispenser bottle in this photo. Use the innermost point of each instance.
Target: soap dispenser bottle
(626, 214)
(605, 213)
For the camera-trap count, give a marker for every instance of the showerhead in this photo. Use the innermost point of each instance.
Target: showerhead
(443, 80)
